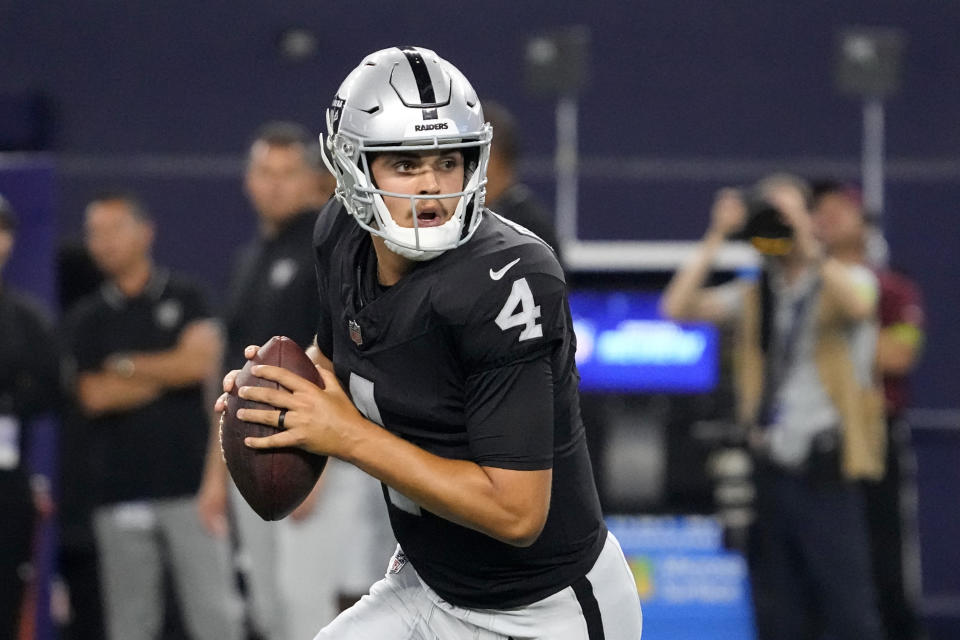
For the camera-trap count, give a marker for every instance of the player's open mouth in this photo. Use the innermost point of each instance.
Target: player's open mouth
(429, 218)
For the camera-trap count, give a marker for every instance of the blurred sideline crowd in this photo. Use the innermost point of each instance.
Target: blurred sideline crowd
(155, 542)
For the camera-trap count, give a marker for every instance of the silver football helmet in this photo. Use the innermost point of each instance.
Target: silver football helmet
(413, 98)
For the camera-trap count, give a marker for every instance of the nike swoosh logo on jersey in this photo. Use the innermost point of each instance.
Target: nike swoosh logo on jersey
(496, 275)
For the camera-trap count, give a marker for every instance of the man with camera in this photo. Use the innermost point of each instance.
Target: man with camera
(804, 339)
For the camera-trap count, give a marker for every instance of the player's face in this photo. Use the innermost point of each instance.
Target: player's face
(423, 173)
(837, 220)
(279, 181)
(116, 238)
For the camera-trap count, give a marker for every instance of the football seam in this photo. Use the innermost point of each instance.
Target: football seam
(273, 459)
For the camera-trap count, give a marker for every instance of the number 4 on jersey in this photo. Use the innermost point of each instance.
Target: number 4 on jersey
(521, 298)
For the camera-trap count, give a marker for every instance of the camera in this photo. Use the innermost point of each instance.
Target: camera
(765, 228)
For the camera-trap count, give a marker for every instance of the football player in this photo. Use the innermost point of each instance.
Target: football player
(447, 353)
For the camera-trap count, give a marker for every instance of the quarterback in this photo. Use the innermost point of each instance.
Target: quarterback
(445, 344)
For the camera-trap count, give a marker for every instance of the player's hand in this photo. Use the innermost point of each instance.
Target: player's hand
(229, 380)
(728, 214)
(317, 420)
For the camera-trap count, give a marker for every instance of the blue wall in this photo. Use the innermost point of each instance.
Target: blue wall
(713, 81)
(695, 78)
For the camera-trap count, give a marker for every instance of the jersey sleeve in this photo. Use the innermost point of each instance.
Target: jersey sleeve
(324, 240)
(509, 411)
(520, 314)
(901, 309)
(506, 347)
(324, 325)
(906, 303)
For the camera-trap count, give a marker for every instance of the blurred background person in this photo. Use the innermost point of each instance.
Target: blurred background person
(77, 277)
(144, 347)
(506, 195)
(891, 504)
(29, 386)
(286, 186)
(299, 571)
(805, 342)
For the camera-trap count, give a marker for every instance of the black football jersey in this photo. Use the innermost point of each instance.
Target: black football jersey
(470, 356)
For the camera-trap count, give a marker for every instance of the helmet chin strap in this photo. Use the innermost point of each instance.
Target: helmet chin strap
(432, 241)
(413, 254)
(444, 235)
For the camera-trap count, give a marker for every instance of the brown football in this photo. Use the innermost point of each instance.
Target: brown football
(272, 481)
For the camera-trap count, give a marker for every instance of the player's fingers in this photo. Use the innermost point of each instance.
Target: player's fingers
(279, 398)
(250, 351)
(221, 403)
(285, 377)
(229, 380)
(269, 417)
(279, 439)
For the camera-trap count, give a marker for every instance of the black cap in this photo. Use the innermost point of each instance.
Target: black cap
(8, 219)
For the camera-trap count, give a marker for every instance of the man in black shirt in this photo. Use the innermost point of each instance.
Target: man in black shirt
(144, 346)
(272, 292)
(274, 274)
(296, 570)
(450, 329)
(29, 386)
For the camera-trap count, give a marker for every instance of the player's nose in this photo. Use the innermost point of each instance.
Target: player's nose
(428, 182)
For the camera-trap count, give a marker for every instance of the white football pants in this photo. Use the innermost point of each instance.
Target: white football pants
(603, 605)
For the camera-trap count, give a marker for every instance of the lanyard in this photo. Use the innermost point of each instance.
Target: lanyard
(782, 356)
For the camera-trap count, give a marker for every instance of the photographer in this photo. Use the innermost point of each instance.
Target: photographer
(804, 348)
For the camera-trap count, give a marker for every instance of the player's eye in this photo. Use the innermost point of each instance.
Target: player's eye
(449, 162)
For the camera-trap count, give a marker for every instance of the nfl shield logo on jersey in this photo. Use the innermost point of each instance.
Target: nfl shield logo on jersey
(397, 561)
(355, 332)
